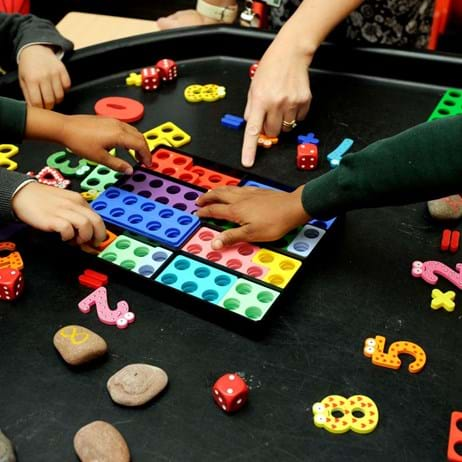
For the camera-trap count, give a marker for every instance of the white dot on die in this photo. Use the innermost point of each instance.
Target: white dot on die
(220, 399)
(229, 390)
(215, 391)
(231, 377)
(239, 401)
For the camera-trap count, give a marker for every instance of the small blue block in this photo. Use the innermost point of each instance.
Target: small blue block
(232, 121)
(197, 279)
(335, 157)
(323, 224)
(256, 184)
(307, 139)
(146, 217)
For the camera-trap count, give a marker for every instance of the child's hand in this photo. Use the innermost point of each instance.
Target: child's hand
(263, 215)
(93, 136)
(88, 136)
(52, 209)
(42, 76)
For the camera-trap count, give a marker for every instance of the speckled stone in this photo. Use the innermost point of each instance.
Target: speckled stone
(101, 442)
(136, 384)
(446, 208)
(79, 345)
(6, 449)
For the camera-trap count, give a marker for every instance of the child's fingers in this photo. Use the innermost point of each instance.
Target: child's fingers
(133, 139)
(65, 79)
(224, 195)
(58, 90)
(63, 227)
(114, 162)
(97, 223)
(83, 227)
(218, 211)
(35, 97)
(48, 96)
(230, 237)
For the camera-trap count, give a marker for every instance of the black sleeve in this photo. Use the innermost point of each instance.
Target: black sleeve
(17, 30)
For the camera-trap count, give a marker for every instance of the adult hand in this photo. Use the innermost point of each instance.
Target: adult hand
(263, 215)
(280, 91)
(43, 77)
(53, 209)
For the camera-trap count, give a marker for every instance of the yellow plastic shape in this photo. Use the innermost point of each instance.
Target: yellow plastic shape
(338, 414)
(133, 80)
(193, 93)
(7, 151)
(281, 268)
(90, 195)
(374, 348)
(443, 300)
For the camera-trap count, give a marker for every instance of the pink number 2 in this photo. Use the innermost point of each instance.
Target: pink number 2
(429, 270)
(121, 316)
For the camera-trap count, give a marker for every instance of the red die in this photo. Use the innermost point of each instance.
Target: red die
(252, 69)
(150, 78)
(167, 69)
(307, 156)
(11, 283)
(230, 392)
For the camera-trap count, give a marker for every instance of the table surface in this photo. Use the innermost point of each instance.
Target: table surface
(358, 286)
(101, 28)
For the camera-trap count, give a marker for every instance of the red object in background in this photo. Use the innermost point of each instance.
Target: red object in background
(15, 6)
(455, 239)
(252, 69)
(261, 10)
(441, 15)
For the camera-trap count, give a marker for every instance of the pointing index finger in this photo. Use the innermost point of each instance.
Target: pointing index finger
(251, 134)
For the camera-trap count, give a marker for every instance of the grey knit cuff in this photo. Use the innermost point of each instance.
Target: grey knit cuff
(10, 183)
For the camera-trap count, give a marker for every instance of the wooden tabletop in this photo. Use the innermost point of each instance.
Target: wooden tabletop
(86, 29)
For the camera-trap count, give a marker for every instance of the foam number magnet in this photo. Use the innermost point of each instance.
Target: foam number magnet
(61, 161)
(337, 414)
(429, 270)
(12, 260)
(374, 348)
(7, 151)
(120, 317)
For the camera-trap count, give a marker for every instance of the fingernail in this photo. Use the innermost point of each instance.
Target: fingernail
(217, 244)
(128, 171)
(246, 162)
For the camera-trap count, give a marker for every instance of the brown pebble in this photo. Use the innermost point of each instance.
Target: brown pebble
(136, 384)
(446, 208)
(101, 442)
(6, 449)
(79, 345)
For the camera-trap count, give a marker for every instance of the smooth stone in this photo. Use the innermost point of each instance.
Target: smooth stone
(6, 449)
(101, 442)
(446, 208)
(136, 384)
(79, 345)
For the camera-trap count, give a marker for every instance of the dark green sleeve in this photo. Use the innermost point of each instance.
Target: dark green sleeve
(18, 30)
(12, 120)
(422, 163)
